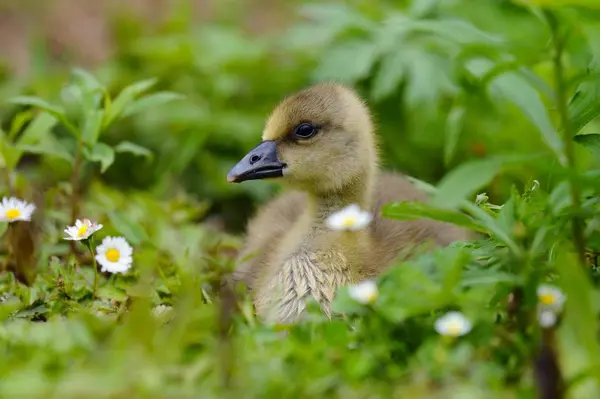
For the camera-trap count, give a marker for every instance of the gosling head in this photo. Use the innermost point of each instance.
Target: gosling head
(319, 140)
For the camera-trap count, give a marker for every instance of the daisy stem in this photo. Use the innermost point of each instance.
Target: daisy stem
(164, 278)
(89, 245)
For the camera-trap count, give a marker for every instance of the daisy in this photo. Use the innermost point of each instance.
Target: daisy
(551, 297)
(13, 209)
(547, 318)
(82, 230)
(114, 255)
(349, 218)
(364, 292)
(453, 324)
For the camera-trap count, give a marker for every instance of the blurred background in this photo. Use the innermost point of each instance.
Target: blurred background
(415, 62)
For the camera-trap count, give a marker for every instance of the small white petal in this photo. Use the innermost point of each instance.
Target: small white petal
(82, 230)
(349, 218)
(13, 209)
(547, 318)
(124, 255)
(453, 324)
(364, 292)
(551, 297)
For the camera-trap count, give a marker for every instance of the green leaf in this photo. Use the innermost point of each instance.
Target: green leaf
(135, 149)
(585, 105)
(132, 230)
(464, 181)
(454, 125)
(3, 227)
(47, 147)
(577, 342)
(19, 121)
(125, 97)
(347, 62)
(93, 126)
(53, 110)
(40, 127)
(409, 210)
(390, 74)
(102, 153)
(149, 101)
(590, 141)
(518, 90)
(456, 30)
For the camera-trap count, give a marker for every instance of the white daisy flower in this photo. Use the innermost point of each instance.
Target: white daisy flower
(547, 318)
(13, 209)
(364, 292)
(114, 255)
(349, 218)
(82, 230)
(551, 297)
(453, 324)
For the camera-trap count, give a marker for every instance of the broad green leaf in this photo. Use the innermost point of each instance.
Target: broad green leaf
(127, 146)
(93, 126)
(389, 75)
(102, 153)
(454, 125)
(585, 105)
(577, 342)
(53, 110)
(347, 62)
(149, 101)
(427, 78)
(125, 97)
(89, 81)
(132, 230)
(457, 30)
(591, 142)
(40, 127)
(9, 156)
(19, 121)
(517, 90)
(408, 210)
(464, 181)
(46, 147)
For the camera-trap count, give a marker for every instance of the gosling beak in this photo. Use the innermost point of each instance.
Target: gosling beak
(260, 163)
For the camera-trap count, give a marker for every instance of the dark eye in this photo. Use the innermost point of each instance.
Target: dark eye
(305, 131)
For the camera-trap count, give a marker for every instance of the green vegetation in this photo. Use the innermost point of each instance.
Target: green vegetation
(491, 96)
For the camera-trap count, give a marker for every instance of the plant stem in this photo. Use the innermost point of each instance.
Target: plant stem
(562, 106)
(164, 278)
(89, 246)
(75, 189)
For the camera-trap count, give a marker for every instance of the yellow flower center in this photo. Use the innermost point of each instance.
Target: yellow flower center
(12, 214)
(349, 221)
(454, 328)
(113, 255)
(546, 299)
(82, 230)
(371, 297)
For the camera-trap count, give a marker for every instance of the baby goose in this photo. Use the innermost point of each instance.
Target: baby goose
(320, 142)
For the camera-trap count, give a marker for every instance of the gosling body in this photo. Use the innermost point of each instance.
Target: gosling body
(290, 254)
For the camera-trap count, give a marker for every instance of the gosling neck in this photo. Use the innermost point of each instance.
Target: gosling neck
(321, 205)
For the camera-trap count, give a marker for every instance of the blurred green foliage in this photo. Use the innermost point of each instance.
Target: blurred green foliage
(465, 99)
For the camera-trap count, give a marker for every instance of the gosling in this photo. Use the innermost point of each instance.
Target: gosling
(320, 143)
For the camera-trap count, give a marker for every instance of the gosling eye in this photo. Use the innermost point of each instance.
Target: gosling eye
(304, 131)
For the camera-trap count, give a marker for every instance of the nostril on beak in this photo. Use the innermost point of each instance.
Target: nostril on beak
(254, 159)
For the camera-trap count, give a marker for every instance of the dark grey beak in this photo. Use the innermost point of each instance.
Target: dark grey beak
(260, 163)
